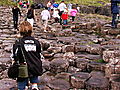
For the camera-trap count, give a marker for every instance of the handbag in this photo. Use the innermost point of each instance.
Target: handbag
(23, 68)
(13, 70)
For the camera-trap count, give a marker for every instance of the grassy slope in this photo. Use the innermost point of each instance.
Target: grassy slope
(88, 2)
(83, 2)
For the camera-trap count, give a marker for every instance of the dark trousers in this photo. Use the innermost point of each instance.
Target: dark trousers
(56, 20)
(60, 14)
(15, 21)
(114, 22)
(73, 18)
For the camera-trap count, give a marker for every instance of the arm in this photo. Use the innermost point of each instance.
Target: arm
(19, 12)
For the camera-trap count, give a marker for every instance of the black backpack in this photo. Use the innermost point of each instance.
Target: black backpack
(30, 14)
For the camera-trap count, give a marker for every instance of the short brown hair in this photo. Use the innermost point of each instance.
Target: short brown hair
(25, 28)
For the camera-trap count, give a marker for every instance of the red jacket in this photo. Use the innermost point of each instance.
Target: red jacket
(64, 16)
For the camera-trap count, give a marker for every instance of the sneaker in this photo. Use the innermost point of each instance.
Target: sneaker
(35, 87)
(45, 31)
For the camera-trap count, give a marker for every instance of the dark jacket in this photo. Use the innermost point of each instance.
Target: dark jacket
(32, 49)
(15, 12)
(114, 8)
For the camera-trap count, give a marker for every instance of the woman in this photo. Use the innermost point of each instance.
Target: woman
(31, 50)
(31, 15)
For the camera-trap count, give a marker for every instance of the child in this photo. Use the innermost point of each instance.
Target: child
(73, 13)
(56, 15)
(45, 16)
(65, 17)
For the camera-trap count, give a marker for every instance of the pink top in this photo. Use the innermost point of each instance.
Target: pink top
(73, 12)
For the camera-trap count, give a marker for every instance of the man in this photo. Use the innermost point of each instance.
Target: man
(15, 11)
(114, 11)
(61, 8)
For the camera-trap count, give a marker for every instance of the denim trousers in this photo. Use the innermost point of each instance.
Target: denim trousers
(64, 22)
(114, 22)
(22, 84)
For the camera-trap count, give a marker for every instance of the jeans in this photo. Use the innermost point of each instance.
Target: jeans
(114, 22)
(22, 84)
(64, 22)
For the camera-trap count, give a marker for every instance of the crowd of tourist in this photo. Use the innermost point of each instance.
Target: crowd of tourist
(59, 12)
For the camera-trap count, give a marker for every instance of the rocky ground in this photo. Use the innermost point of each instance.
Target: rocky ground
(83, 55)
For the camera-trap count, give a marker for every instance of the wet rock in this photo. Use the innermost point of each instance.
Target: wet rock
(54, 49)
(72, 69)
(64, 76)
(97, 74)
(110, 54)
(113, 32)
(95, 66)
(59, 84)
(78, 79)
(80, 48)
(81, 63)
(68, 48)
(115, 81)
(47, 54)
(69, 55)
(59, 65)
(99, 83)
(94, 49)
(6, 84)
(111, 69)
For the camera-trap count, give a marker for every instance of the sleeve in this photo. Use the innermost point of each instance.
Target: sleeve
(14, 51)
(19, 11)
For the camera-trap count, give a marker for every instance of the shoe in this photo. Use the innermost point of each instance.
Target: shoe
(45, 31)
(35, 87)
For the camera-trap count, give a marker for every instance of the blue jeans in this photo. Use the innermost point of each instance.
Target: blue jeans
(21, 85)
(64, 22)
(114, 22)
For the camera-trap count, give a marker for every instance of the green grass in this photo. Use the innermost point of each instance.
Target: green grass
(87, 2)
(82, 2)
(9, 2)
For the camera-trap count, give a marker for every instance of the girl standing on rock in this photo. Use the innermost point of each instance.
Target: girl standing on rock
(73, 13)
(31, 15)
(30, 51)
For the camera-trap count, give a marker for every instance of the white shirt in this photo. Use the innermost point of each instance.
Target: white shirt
(45, 15)
(62, 7)
(55, 14)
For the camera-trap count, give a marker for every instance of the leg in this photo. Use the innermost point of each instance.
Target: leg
(114, 23)
(22, 84)
(34, 81)
(73, 18)
(46, 23)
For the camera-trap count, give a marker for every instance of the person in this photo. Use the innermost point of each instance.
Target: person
(64, 17)
(31, 49)
(31, 15)
(45, 14)
(49, 5)
(114, 11)
(73, 13)
(56, 15)
(69, 5)
(62, 6)
(16, 11)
